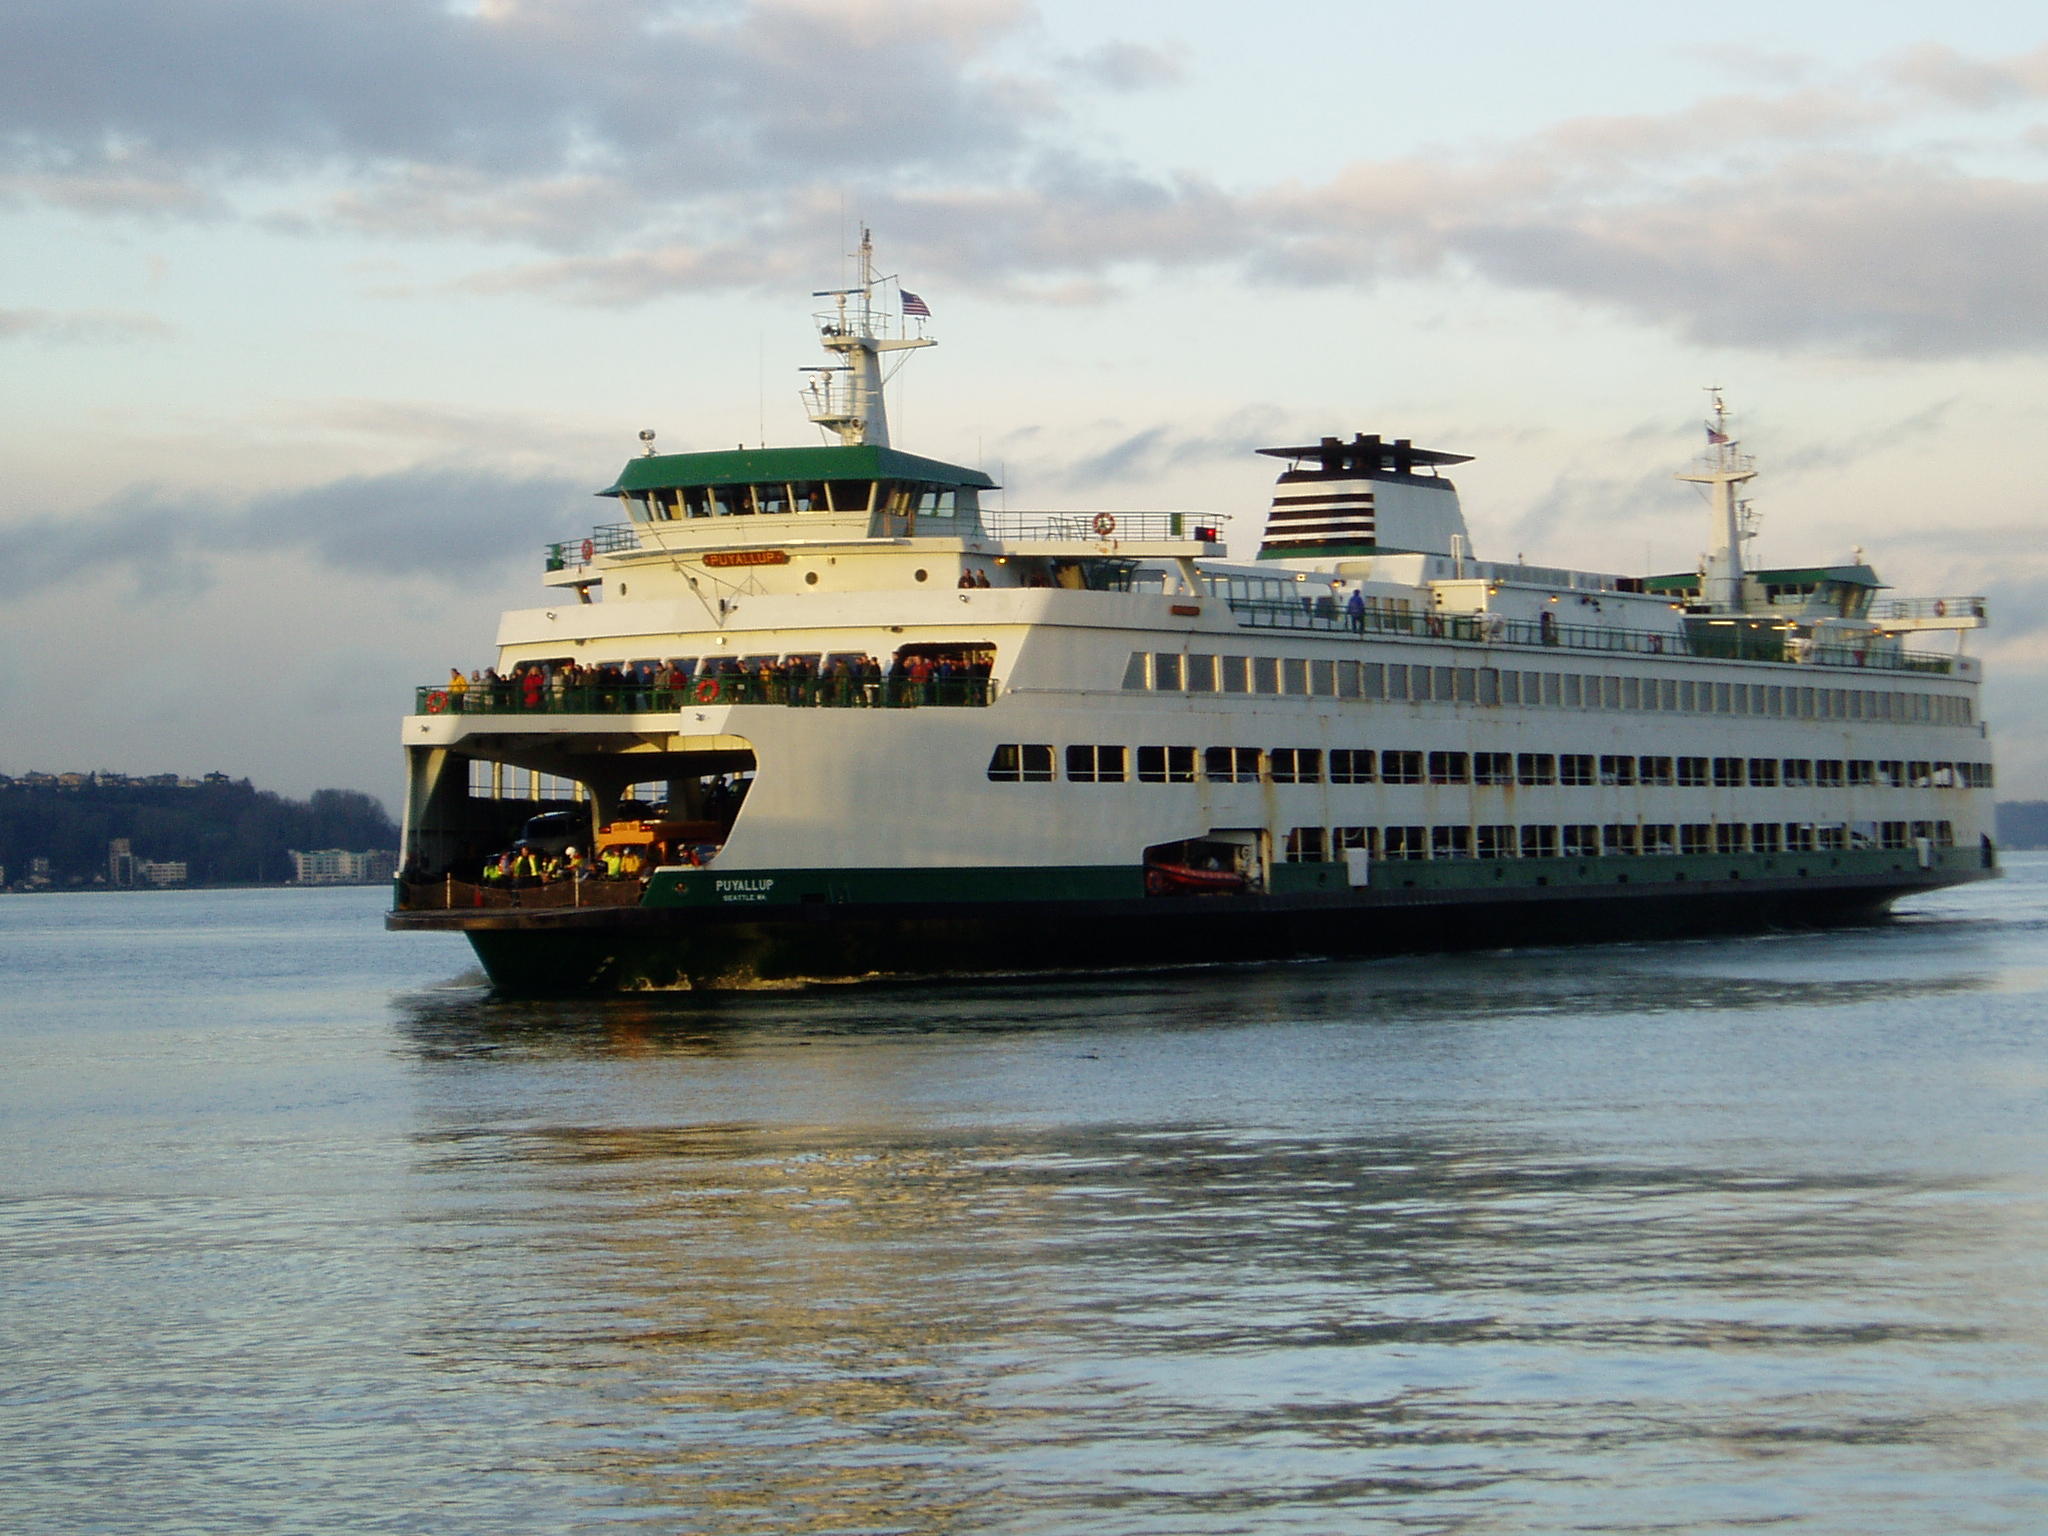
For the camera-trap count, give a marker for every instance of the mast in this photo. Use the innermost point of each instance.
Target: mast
(1722, 468)
(845, 397)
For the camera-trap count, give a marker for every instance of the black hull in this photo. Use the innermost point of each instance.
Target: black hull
(543, 953)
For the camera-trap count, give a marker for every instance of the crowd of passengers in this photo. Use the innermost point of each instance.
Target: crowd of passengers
(657, 684)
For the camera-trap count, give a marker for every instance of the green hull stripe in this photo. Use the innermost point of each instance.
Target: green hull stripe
(1027, 883)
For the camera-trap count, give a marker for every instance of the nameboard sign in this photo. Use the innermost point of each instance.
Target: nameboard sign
(726, 557)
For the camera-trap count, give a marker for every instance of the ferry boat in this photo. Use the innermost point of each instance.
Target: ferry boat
(824, 712)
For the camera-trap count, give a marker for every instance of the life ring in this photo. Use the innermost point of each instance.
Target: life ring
(1940, 609)
(706, 691)
(1105, 524)
(437, 701)
(589, 550)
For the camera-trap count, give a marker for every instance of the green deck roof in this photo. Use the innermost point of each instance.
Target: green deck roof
(1844, 575)
(750, 466)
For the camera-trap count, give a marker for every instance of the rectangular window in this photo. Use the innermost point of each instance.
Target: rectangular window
(1617, 770)
(1407, 842)
(1231, 765)
(1796, 773)
(1397, 680)
(1489, 685)
(1166, 672)
(1827, 773)
(1799, 837)
(1293, 675)
(1764, 837)
(1368, 838)
(1400, 767)
(1449, 768)
(1539, 842)
(1349, 683)
(1575, 768)
(1322, 679)
(1891, 774)
(1265, 674)
(1350, 765)
(1553, 690)
(1728, 773)
(1618, 839)
(1581, 841)
(1728, 837)
(1656, 770)
(1372, 680)
(1026, 763)
(1166, 765)
(1831, 837)
(1201, 674)
(1305, 845)
(1296, 765)
(1136, 670)
(1095, 765)
(1862, 774)
(1450, 842)
(1893, 834)
(1464, 685)
(1572, 697)
(1692, 772)
(1493, 768)
(1763, 772)
(1497, 842)
(1660, 839)
(1696, 837)
(1535, 768)
(1632, 693)
(1235, 672)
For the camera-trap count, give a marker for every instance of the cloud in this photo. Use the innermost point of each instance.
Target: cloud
(438, 524)
(85, 327)
(629, 150)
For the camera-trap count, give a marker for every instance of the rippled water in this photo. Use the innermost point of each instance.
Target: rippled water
(300, 1231)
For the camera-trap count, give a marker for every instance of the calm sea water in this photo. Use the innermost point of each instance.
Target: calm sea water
(301, 1231)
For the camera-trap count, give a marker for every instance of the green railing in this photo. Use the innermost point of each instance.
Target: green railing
(1741, 642)
(633, 698)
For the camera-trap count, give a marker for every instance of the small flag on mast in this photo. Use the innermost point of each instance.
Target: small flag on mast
(913, 305)
(1715, 437)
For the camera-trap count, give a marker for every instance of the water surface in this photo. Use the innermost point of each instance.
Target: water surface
(300, 1230)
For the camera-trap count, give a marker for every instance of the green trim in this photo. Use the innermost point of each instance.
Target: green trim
(1090, 882)
(1843, 575)
(861, 887)
(745, 466)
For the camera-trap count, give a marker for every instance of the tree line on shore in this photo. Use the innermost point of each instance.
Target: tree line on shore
(2023, 824)
(225, 831)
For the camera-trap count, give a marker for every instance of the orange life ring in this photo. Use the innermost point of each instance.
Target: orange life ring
(589, 550)
(706, 690)
(1105, 524)
(1940, 609)
(437, 701)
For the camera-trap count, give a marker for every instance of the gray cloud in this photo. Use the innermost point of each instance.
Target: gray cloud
(440, 525)
(82, 326)
(633, 149)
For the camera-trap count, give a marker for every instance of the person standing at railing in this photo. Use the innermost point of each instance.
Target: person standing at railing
(1354, 609)
(458, 688)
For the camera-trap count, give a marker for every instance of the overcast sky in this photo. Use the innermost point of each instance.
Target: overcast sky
(317, 319)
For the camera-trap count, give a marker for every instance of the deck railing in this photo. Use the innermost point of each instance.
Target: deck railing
(1739, 643)
(1102, 527)
(510, 698)
(1927, 608)
(606, 539)
(448, 894)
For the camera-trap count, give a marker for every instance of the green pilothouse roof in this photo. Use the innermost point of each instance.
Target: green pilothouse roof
(753, 466)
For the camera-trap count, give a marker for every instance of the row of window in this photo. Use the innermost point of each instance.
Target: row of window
(1315, 845)
(1173, 672)
(1093, 763)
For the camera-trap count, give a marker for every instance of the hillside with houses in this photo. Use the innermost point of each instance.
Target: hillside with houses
(106, 830)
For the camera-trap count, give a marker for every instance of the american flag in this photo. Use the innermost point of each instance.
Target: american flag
(913, 305)
(1715, 437)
